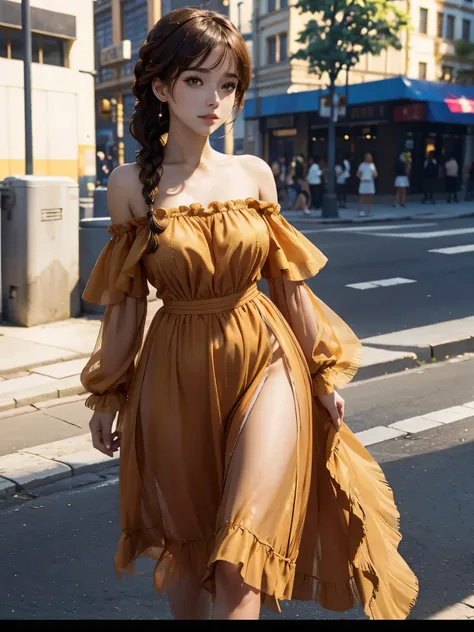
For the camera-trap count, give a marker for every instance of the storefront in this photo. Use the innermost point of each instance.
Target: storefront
(384, 118)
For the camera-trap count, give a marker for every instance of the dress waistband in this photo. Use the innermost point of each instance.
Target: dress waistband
(212, 305)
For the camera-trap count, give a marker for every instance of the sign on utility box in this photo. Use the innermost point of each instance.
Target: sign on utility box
(40, 250)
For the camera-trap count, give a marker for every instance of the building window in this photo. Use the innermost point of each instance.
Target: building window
(424, 21)
(422, 70)
(53, 51)
(3, 43)
(466, 30)
(44, 50)
(134, 28)
(447, 73)
(450, 27)
(439, 24)
(16, 44)
(283, 47)
(275, 5)
(271, 49)
(103, 38)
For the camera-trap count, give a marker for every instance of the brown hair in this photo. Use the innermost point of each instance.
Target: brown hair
(182, 39)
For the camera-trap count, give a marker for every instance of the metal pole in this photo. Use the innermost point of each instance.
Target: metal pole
(330, 207)
(26, 27)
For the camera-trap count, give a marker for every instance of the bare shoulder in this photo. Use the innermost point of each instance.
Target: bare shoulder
(262, 175)
(121, 189)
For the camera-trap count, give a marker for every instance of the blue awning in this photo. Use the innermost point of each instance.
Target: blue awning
(399, 89)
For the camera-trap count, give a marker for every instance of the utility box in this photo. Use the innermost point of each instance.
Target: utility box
(40, 250)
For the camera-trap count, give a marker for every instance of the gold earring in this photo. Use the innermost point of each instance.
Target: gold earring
(160, 113)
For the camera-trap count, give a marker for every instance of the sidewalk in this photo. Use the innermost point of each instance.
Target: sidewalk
(44, 432)
(384, 212)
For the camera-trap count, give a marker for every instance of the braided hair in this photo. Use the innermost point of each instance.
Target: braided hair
(181, 39)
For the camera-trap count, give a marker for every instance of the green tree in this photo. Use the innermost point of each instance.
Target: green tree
(465, 53)
(340, 32)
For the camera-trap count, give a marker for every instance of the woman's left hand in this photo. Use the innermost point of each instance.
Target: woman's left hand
(334, 404)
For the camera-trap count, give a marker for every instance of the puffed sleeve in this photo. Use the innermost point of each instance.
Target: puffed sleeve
(332, 350)
(118, 281)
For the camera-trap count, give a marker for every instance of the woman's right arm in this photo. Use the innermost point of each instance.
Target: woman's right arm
(119, 282)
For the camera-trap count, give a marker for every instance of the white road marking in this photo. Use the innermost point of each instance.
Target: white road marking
(366, 229)
(448, 415)
(427, 235)
(369, 285)
(378, 434)
(454, 250)
(413, 425)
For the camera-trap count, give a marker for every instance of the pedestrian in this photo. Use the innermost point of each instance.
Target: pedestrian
(347, 177)
(237, 471)
(340, 181)
(470, 182)
(430, 175)
(314, 180)
(402, 182)
(366, 173)
(302, 199)
(102, 169)
(452, 169)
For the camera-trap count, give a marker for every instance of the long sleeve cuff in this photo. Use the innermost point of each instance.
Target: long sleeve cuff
(107, 403)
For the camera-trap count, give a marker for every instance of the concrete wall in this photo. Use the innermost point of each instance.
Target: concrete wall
(63, 106)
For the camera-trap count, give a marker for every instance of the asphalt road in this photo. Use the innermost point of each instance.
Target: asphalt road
(444, 288)
(56, 551)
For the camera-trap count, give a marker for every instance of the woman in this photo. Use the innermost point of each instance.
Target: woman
(237, 472)
(367, 174)
(302, 199)
(340, 171)
(402, 171)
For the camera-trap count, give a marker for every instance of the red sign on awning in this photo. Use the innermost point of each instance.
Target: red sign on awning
(409, 112)
(461, 105)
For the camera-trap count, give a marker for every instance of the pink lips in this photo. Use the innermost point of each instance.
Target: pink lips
(209, 117)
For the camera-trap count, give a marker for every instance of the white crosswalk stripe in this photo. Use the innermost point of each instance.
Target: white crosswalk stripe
(366, 229)
(454, 250)
(426, 235)
(413, 425)
(369, 285)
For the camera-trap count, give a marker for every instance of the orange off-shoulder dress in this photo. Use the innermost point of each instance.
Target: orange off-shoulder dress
(226, 451)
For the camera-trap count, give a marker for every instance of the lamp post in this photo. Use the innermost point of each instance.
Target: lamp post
(26, 28)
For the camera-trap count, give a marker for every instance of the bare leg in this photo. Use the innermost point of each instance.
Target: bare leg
(234, 599)
(397, 196)
(369, 204)
(403, 196)
(188, 600)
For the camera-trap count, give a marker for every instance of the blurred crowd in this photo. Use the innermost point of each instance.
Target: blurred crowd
(301, 185)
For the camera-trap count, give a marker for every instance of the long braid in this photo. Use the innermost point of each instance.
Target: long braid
(148, 128)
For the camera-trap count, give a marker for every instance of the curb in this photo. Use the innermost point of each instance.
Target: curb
(387, 368)
(62, 388)
(371, 220)
(29, 469)
(36, 365)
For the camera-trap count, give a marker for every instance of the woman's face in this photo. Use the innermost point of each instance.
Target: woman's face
(202, 99)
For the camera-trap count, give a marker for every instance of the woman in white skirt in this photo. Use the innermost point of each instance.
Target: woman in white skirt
(367, 174)
(402, 182)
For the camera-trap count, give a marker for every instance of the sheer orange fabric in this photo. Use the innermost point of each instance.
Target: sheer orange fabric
(226, 453)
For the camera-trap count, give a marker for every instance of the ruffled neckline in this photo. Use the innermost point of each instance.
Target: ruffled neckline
(197, 209)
